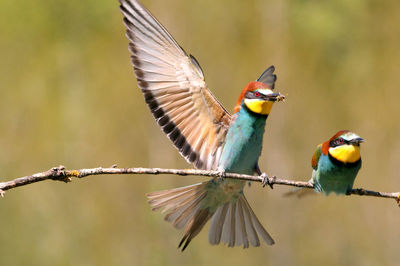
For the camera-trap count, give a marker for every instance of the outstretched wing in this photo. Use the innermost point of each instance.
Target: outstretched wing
(315, 158)
(174, 89)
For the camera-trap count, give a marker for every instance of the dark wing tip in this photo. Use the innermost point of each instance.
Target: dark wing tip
(197, 65)
(268, 77)
(185, 240)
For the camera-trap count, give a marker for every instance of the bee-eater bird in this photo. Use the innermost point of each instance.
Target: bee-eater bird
(201, 129)
(336, 163)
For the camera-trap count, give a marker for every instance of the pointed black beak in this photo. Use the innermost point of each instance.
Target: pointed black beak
(274, 97)
(357, 141)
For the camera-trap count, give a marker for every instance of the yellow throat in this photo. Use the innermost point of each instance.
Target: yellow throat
(259, 106)
(346, 153)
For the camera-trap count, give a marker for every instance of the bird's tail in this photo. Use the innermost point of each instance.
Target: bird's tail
(236, 224)
(183, 208)
(299, 192)
(233, 223)
(302, 192)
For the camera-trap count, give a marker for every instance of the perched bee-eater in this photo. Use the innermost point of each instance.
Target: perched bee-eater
(201, 129)
(336, 163)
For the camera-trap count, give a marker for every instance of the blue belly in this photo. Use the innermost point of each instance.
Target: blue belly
(333, 178)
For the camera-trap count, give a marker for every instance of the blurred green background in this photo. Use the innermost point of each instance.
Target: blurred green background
(69, 96)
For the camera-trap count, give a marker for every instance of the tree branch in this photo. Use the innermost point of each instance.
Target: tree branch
(61, 174)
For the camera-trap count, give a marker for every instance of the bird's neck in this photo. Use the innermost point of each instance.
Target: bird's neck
(245, 115)
(244, 110)
(250, 125)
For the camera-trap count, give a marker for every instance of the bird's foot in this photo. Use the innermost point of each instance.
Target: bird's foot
(266, 180)
(221, 174)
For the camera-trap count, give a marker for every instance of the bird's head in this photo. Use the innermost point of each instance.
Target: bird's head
(258, 96)
(344, 146)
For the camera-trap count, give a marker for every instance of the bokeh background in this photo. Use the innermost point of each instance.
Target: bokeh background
(68, 96)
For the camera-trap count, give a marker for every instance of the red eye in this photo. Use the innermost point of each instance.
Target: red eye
(340, 141)
(257, 94)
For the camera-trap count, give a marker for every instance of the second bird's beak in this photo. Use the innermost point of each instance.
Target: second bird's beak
(357, 141)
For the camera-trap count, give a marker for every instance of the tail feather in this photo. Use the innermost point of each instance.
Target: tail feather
(194, 226)
(168, 198)
(228, 228)
(236, 224)
(232, 235)
(189, 212)
(233, 223)
(257, 225)
(184, 209)
(241, 232)
(299, 193)
(217, 223)
(302, 192)
(159, 201)
(251, 231)
(181, 204)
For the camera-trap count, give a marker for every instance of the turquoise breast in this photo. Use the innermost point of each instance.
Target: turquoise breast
(335, 177)
(240, 154)
(243, 142)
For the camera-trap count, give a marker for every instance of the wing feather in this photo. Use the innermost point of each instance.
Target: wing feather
(315, 158)
(174, 89)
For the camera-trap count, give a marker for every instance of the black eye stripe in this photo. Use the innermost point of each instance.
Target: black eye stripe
(338, 142)
(253, 95)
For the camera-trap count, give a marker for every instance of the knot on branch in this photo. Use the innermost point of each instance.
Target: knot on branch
(398, 199)
(58, 173)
